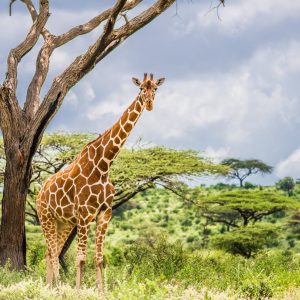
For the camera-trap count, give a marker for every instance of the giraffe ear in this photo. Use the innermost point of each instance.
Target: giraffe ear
(136, 81)
(160, 81)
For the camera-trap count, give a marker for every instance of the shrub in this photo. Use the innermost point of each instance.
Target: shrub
(258, 291)
(153, 256)
(246, 241)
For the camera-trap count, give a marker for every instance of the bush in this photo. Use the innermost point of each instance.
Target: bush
(248, 185)
(246, 241)
(259, 291)
(153, 256)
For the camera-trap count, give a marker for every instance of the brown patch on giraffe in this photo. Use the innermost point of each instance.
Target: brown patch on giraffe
(124, 118)
(83, 158)
(83, 211)
(96, 174)
(87, 169)
(80, 181)
(92, 201)
(114, 131)
(64, 201)
(103, 165)
(59, 194)
(59, 211)
(68, 213)
(99, 153)
(122, 134)
(84, 193)
(53, 188)
(92, 152)
(92, 179)
(133, 116)
(105, 139)
(92, 210)
(111, 151)
(60, 182)
(128, 127)
(75, 171)
(96, 189)
(68, 185)
(65, 176)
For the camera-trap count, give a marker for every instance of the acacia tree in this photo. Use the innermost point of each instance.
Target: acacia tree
(239, 208)
(241, 169)
(23, 127)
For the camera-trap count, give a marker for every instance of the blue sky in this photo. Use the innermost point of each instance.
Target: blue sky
(232, 85)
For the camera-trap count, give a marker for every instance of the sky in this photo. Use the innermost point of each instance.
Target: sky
(232, 83)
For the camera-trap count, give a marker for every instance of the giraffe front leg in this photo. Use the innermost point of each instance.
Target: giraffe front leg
(102, 224)
(82, 234)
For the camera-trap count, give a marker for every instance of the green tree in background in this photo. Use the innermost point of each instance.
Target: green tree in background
(287, 184)
(240, 207)
(241, 169)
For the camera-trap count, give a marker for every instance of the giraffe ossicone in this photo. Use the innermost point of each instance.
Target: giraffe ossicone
(83, 192)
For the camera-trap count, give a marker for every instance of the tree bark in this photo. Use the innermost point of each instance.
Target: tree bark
(12, 233)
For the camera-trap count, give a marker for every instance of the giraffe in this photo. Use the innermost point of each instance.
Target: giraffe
(83, 192)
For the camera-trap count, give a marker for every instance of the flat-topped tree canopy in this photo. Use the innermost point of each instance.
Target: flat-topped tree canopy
(241, 207)
(242, 169)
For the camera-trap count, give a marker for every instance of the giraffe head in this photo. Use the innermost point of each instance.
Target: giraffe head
(148, 88)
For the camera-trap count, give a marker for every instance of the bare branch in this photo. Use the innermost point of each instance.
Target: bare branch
(91, 25)
(10, 6)
(142, 19)
(216, 7)
(45, 32)
(17, 53)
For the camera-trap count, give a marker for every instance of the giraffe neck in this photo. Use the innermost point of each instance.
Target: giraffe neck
(109, 144)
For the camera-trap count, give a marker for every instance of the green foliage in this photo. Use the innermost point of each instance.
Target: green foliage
(241, 206)
(287, 184)
(241, 169)
(246, 241)
(248, 185)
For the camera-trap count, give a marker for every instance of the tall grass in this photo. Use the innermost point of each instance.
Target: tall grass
(155, 268)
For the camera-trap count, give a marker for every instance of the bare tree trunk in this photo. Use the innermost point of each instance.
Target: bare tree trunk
(12, 233)
(241, 182)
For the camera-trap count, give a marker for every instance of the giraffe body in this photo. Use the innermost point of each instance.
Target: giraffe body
(83, 192)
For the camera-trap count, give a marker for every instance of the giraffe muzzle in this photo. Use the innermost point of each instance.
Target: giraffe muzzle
(149, 105)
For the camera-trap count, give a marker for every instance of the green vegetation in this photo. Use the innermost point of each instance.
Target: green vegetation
(169, 240)
(242, 169)
(160, 247)
(286, 184)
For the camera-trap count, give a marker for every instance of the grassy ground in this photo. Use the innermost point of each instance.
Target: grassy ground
(156, 249)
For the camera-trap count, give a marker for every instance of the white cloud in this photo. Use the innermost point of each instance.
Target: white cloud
(237, 16)
(71, 98)
(217, 154)
(289, 166)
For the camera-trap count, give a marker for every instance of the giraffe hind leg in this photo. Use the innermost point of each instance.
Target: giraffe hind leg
(49, 227)
(102, 224)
